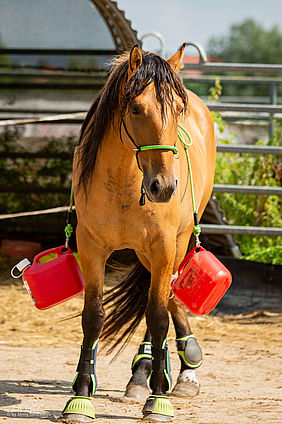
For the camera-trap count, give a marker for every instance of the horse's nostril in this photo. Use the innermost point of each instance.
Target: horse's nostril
(155, 187)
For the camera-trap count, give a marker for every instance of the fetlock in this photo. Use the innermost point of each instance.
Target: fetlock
(142, 364)
(161, 368)
(158, 406)
(141, 367)
(85, 377)
(190, 355)
(80, 408)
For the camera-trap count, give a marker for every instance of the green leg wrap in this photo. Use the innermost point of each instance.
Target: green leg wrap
(165, 366)
(80, 405)
(189, 352)
(159, 405)
(87, 365)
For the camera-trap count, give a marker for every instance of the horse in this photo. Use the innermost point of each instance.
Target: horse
(132, 190)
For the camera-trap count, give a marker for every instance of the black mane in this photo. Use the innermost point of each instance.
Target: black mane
(111, 103)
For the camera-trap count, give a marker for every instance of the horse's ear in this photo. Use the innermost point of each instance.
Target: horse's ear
(135, 59)
(175, 60)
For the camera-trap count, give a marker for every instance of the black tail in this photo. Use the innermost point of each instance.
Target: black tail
(126, 304)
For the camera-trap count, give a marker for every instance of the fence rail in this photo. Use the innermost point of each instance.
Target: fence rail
(206, 228)
(217, 188)
(222, 148)
(59, 52)
(233, 67)
(229, 188)
(241, 230)
(225, 107)
(240, 148)
(46, 85)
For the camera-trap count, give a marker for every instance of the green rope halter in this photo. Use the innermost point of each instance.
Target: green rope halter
(197, 228)
(158, 147)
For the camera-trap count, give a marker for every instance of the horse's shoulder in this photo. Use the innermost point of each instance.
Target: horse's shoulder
(199, 113)
(196, 104)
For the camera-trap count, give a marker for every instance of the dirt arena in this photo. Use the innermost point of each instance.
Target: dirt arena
(240, 377)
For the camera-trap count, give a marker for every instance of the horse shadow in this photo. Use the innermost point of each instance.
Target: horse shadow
(41, 387)
(29, 387)
(32, 409)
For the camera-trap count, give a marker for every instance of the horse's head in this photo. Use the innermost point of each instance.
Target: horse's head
(153, 98)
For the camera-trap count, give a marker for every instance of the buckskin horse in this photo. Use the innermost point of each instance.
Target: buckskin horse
(132, 190)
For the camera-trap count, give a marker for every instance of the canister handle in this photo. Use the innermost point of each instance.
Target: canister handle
(195, 250)
(58, 250)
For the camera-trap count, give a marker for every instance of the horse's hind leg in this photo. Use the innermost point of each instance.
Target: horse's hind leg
(189, 352)
(141, 367)
(80, 408)
(188, 349)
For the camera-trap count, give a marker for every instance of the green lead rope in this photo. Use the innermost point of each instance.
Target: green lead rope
(197, 228)
(69, 227)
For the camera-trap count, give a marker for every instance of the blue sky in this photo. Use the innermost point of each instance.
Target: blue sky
(184, 20)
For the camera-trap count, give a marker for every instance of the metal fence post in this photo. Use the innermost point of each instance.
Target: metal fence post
(272, 101)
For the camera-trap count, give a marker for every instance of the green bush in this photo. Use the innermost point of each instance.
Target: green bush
(258, 210)
(50, 173)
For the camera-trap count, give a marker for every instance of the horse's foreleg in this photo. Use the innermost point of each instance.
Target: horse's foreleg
(80, 407)
(189, 352)
(158, 406)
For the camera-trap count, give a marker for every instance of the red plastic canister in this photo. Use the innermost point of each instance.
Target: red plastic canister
(55, 281)
(202, 281)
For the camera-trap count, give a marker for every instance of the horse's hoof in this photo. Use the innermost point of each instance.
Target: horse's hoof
(136, 391)
(187, 384)
(158, 408)
(75, 419)
(79, 409)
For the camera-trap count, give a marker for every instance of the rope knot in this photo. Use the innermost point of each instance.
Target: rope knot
(68, 230)
(197, 230)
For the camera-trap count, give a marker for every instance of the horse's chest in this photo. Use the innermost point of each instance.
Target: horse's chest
(115, 214)
(119, 227)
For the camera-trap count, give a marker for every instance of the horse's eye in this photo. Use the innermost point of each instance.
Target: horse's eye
(135, 110)
(181, 111)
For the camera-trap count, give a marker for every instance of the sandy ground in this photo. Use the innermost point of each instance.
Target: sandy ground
(240, 376)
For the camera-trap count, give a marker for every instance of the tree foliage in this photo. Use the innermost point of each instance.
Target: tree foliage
(248, 42)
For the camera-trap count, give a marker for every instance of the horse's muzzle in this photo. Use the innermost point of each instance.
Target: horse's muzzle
(161, 192)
